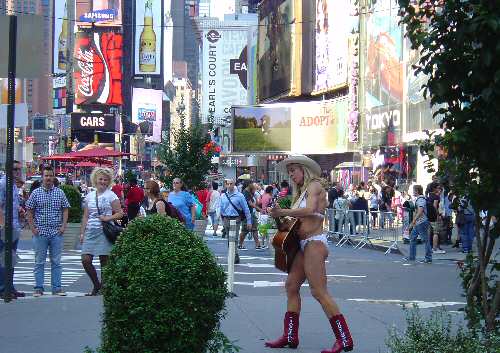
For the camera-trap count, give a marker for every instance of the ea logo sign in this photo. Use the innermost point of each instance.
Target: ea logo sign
(213, 36)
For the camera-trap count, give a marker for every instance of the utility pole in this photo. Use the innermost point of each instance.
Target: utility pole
(9, 195)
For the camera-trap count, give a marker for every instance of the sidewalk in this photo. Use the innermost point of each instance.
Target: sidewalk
(67, 325)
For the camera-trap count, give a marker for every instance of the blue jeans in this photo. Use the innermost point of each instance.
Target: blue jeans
(2, 268)
(467, 235)
(55, 245)
(423, 230)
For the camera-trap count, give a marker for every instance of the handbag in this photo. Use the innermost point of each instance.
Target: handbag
(111, 229)
(240, 212)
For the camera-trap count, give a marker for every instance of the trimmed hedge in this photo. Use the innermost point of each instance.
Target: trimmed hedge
(164, 291)
(75, 200)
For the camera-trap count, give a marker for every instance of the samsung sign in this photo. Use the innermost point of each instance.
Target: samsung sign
(93, 121)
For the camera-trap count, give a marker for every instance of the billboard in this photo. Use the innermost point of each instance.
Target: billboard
(418, 110)
(334, 24)
(98, 68)
(59, 93)
(147, 112)
(262, 128)
(4, 91)
(306, 128)
(60, 37)
(93, 122)
(275, 47)
(148, 37)
(105, 13)
(253, 35)
(384, 75)
(224, 69)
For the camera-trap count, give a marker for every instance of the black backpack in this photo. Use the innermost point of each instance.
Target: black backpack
(430, 210)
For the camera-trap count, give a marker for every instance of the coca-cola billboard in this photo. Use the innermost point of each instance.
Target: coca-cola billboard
(98, 68)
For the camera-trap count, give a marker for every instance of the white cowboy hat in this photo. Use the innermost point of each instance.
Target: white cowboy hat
(299, 159)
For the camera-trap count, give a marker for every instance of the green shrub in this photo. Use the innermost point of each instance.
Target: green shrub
(164, 291)
(438, 334)
(75, 200)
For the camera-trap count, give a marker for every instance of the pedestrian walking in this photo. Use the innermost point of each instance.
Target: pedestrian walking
(233, 206)
(47, 215)
(213, 207)
(100, 205)
(309, 204)
(249, 193)
(183, 202)
(467, 229)
(16, 229)
(420, 226)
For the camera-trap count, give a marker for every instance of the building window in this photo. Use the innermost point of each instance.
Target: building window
(38, 123)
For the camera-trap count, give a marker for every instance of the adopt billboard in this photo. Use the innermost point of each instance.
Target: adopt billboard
(334, 23)
(384, 75)
(60, 37)
(147, 112)
(104, 13)
(285, 48)
(224, 69)
(98, 68)
(307, 128)
(148, 37)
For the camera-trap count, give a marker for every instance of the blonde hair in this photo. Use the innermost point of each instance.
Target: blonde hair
(98, 172)
(309, 177)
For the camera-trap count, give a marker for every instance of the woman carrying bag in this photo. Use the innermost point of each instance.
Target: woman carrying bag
(100, 206)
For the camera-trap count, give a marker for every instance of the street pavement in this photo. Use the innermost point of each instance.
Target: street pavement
(370, 288)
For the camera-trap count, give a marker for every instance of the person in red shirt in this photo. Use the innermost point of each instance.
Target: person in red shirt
(118, 189)
(204, 197)
(135, 195)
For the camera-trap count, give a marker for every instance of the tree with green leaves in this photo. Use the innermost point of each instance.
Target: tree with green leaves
(460, 53)
(189, 154)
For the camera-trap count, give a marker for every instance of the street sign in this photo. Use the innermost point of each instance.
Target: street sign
(29, 46)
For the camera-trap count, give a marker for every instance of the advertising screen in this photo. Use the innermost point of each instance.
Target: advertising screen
(106, 13)
(419, 111)
(224, 70)
(4, 91)
(320, 128)
(60, 37)
(59, 93)
(147, 112)
(93, 121)
(334, 24)
(275, 47)
(262, 128)
(384, 75)
(307, 128)
(148, 37)
(98, 68)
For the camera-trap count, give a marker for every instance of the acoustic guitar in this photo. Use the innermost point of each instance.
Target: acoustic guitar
(286, 243)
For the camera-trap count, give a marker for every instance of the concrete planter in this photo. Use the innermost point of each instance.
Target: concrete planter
(200, 226)
(72, 236)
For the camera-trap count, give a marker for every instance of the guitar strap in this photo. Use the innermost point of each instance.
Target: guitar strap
(299, 200)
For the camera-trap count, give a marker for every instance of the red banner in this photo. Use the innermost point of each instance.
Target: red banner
(98, 69)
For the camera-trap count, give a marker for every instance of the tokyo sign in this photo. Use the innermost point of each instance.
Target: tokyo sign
(98, 68)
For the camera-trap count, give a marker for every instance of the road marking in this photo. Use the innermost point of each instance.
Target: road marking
(285, 274)
(419, 303)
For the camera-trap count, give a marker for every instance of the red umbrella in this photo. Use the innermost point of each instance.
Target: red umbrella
(99, 152)
(66, 157)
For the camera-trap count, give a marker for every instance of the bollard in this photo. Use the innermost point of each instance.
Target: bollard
(231, 255)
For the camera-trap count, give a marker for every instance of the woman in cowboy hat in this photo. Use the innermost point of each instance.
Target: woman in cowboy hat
(310, 201)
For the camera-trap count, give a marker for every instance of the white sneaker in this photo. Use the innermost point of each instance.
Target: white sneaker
(438, 251)
(59, 293)
(37, 293)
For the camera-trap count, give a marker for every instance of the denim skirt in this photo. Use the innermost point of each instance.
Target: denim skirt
(95, 242)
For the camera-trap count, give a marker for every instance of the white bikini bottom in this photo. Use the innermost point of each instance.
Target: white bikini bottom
(320, 237)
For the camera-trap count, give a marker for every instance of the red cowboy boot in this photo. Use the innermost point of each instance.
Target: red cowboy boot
(342, 334)
(290, 336)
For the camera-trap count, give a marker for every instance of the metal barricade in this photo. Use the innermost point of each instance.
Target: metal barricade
(385, 227)
(350, 227)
